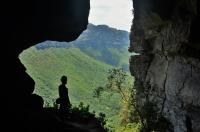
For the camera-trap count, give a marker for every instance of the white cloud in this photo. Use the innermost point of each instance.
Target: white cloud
(115, 13)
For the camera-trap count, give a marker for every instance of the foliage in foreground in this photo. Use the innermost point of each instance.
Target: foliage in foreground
(151, 119)
(81, 113)
(84, 74)
(118, 81)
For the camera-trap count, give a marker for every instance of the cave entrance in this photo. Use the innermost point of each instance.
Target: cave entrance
(85, 61)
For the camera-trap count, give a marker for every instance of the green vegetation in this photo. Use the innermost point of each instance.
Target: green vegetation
(100, 42)
(90, 63)
(151, 120)
(79, 117)
(83, 111)
(127, 120)
(84, 75)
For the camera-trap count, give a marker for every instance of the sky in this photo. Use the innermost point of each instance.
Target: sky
(114, 13)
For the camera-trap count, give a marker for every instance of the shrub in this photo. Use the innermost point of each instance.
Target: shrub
(151, 119)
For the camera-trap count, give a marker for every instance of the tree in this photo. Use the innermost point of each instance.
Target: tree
(119, 81)
(122, 83)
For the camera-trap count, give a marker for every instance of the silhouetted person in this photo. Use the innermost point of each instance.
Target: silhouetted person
(63, 96)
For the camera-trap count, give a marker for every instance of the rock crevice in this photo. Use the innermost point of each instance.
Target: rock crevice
(164, 33)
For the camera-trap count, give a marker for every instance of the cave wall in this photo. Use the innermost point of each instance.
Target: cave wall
(165, 33)
(24, 24)
(167, 71)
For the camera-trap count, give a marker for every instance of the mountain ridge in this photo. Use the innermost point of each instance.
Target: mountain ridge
(98, 42)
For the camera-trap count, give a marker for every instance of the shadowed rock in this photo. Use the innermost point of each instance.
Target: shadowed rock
(167, 33)
(24, 24)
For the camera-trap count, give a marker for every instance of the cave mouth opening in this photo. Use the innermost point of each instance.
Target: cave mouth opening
(85, 61)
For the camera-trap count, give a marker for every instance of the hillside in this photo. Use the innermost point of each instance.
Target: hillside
(86, 62)
(84, 74)
(101, 42)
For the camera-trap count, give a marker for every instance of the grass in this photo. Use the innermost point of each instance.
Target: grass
(84, 75)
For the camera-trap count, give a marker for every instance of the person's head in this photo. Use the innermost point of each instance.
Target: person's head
(63, 79)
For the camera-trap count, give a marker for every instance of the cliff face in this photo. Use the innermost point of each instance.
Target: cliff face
(24, 24)
(167, 71)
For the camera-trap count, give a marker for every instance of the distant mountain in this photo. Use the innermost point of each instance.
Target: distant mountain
(100, 42)
(85, 61)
